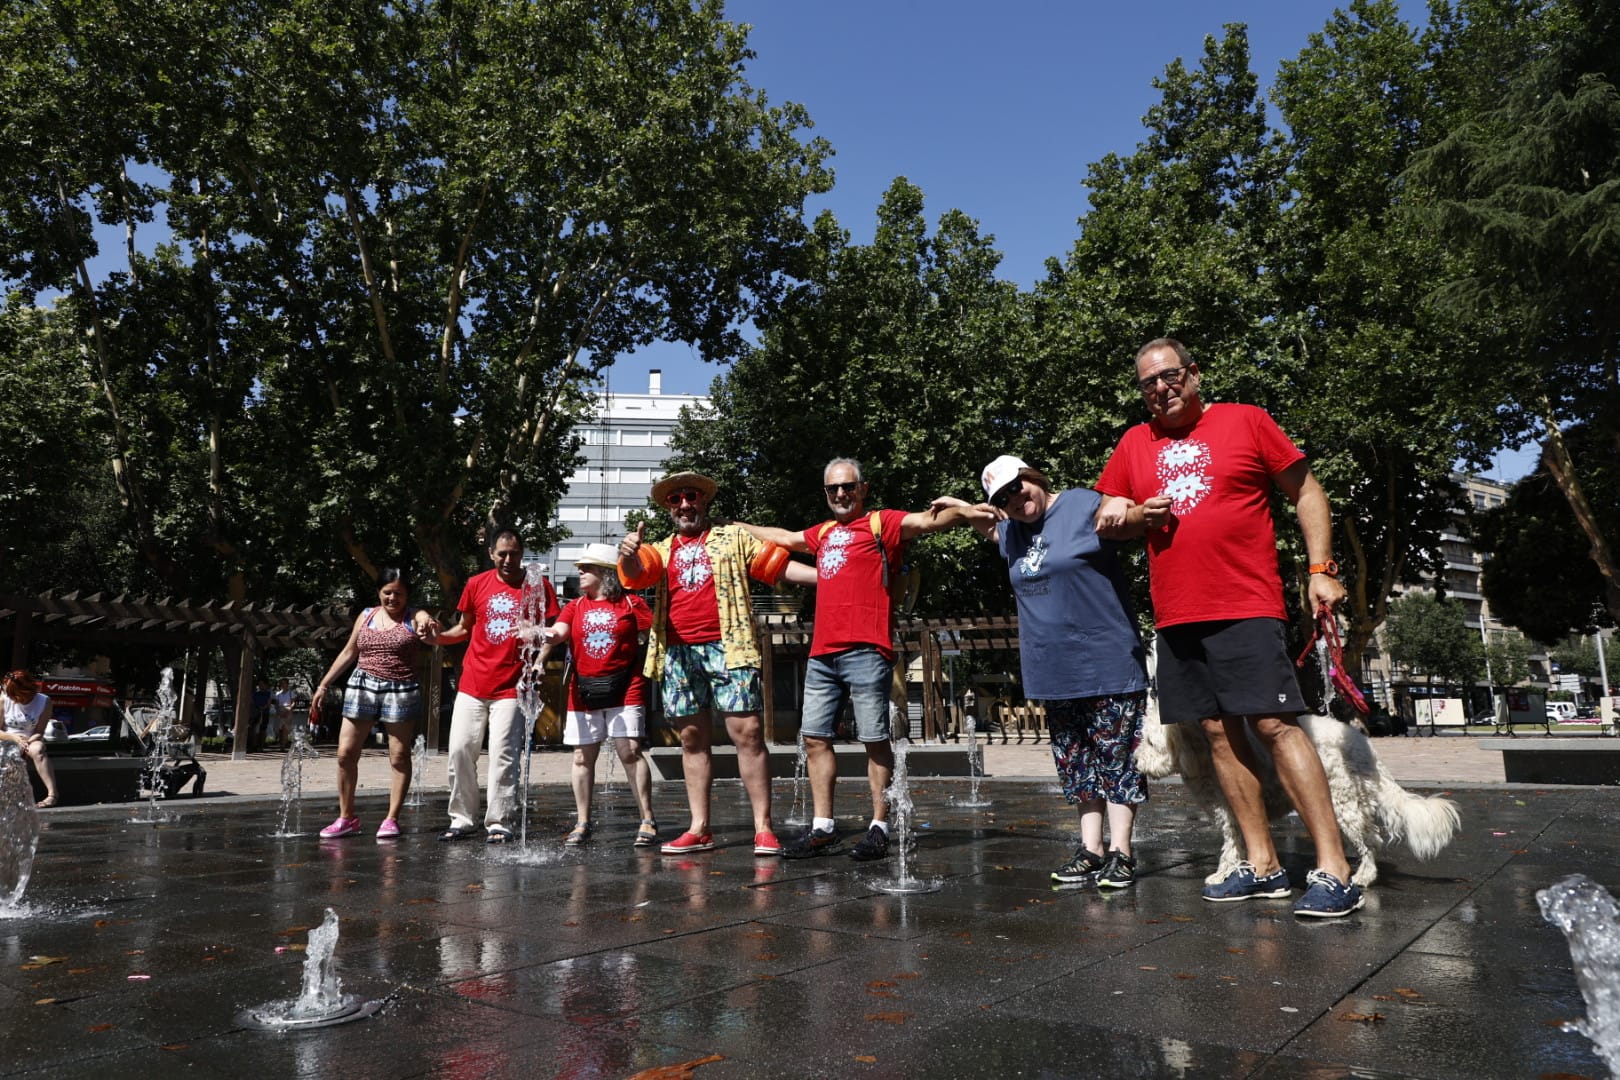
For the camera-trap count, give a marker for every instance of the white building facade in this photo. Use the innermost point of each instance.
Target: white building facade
(625, 449)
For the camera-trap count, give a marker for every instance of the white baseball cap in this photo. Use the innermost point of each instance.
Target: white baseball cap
(1001, 472)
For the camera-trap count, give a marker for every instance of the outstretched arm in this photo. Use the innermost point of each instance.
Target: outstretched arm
(793, 541)
(937, 517)
(1118, 518)
(986, 529)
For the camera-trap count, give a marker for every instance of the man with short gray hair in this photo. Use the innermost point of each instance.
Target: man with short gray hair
(858, 562)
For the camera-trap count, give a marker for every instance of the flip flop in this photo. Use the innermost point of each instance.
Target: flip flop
(46, 803)
(498, 835)
(458, 832)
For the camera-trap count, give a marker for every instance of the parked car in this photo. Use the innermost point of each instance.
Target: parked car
(100, 731)
(1560, 712)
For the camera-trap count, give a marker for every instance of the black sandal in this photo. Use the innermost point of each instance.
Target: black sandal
(458, 832)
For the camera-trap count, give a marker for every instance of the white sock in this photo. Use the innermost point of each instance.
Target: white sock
(823, 824)
(884, 825)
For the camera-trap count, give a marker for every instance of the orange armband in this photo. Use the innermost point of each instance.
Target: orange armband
(769, 565)
(652, 568)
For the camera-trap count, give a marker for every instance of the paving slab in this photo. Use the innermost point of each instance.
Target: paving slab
(139, 944)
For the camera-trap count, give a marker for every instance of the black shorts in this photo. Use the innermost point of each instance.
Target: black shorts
(1231, 667)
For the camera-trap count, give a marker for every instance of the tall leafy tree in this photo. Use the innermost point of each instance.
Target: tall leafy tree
(905, 354)
(1527, 181)
(1429, 634)
(402, 242)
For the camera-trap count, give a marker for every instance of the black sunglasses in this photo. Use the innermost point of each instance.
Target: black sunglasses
(840, 489)
(1007, 493)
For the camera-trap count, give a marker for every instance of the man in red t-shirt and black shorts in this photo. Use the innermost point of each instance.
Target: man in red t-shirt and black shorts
(1204, 476)
(851, 649)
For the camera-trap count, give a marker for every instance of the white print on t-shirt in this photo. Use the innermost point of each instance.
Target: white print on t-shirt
(499, 617)
(692, 569)
(598, 633)
(1030, 564)
(1184, 474)
(834, 552)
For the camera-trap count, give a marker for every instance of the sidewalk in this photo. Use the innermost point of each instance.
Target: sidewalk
(1434, 761)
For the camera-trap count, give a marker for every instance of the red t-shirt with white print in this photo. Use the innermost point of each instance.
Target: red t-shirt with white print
(852, 607)
(490, 609)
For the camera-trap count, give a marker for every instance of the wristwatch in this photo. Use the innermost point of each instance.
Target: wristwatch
(1330, 568)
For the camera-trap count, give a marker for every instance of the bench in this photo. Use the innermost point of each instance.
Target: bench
(83, 779)
(1558, 759)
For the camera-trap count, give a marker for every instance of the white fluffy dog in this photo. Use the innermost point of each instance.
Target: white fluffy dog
(1374, 811)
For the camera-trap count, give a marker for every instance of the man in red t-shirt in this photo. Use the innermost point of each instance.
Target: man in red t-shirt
(491, 607)
(1204, 476)
(851, 649)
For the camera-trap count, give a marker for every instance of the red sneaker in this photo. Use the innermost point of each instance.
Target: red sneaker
(766, 843)
(686, 843)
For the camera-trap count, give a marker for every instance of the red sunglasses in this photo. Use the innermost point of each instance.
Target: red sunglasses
(685, 495)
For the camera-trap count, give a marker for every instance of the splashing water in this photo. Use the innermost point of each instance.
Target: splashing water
(1590, 919)
(19, 829)
(292, 781)
(321, 1002)
(797, 815)
(531, 623)
(418, 768)
(157, 751)
(975, 766)
(898, 793)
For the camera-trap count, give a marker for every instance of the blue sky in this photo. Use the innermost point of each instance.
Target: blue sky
(994, 110)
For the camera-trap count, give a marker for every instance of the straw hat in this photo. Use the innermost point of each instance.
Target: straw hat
(603, 555)
(676, 481)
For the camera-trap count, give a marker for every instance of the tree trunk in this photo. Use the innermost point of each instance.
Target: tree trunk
(1555, 455)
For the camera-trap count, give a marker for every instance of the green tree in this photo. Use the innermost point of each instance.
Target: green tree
(903, 354)
(1378, 399)
(1429, 635)
(1525, 182)
(1576, 656)
(1540, 576)
(402, 243)
(1508, 655)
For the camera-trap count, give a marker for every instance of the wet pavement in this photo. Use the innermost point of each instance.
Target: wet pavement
(144, 942)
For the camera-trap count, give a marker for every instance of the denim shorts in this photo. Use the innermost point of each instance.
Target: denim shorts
(862, 676)
(696, 678)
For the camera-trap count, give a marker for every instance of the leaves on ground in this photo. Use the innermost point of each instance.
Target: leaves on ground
(681, 1071)
(1362, 1018)
(895, 1018)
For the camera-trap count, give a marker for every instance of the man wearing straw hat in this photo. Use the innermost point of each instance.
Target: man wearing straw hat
(704, 652)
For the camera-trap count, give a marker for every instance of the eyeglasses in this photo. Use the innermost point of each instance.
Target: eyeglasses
(1172, 378)
(1007, 493)
(685, 495)
(841, 489)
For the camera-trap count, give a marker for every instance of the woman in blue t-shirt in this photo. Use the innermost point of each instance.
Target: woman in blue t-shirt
(1081, 657)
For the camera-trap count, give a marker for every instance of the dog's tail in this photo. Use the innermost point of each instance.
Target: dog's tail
(1425, 823)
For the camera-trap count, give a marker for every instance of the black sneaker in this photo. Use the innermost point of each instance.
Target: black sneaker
(1118, 872)
(874, 845)
(814, 842)
(1080, 870)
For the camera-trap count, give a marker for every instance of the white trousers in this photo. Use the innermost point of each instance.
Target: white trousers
(468, 718)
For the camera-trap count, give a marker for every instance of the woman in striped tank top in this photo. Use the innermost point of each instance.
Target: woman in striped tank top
(382, 687)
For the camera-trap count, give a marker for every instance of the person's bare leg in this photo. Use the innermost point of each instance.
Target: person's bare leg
(1091, 825)
(697, 764)
(637, 772)
(822, 767)
(879, 771)
(43, 766)
(1121, 821)
(753, 764)
(584, 778)
(1299, 769)
(350, 740)
(1237, 771)
(399, 763)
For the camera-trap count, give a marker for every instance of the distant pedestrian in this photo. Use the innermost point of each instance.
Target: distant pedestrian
(383, 688)
(281, 705)
(26, 713)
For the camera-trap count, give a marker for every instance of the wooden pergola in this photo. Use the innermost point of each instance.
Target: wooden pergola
(249, 628)
(930, 639)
